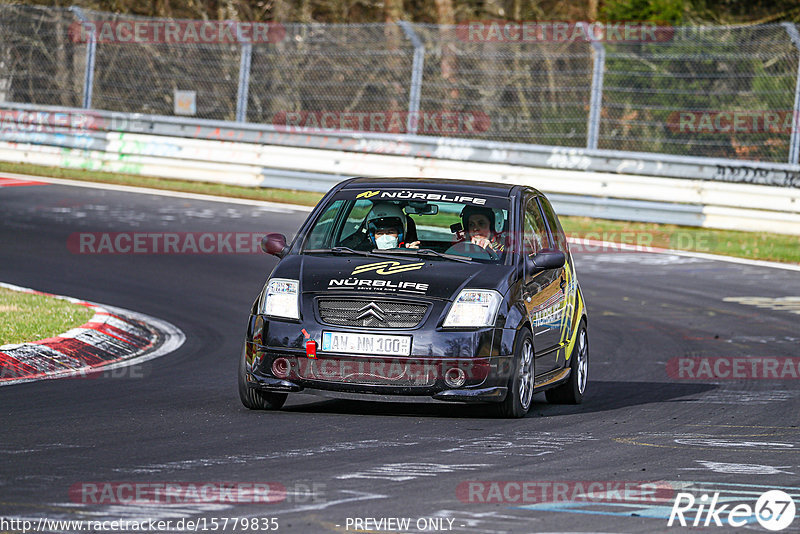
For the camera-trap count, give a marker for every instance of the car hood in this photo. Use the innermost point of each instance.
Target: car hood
(407, 276)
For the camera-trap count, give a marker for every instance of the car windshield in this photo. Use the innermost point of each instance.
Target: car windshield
(429, 223)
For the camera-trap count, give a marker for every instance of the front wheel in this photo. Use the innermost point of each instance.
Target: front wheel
(254, 399)
(520, 385)
(571, 391)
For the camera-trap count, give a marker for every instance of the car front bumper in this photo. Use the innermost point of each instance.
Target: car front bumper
(276, 361)
(378, 393)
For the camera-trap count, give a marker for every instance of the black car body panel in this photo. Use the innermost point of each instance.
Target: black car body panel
(401, 299)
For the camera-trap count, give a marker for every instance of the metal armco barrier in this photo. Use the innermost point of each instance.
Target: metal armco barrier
(728, 92)
(614, 185)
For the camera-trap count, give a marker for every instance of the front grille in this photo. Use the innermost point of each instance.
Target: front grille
(371, 313)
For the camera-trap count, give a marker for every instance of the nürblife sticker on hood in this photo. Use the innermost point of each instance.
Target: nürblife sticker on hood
(385, 268)
(377, 285)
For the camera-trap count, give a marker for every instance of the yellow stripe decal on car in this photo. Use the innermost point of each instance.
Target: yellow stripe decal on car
(576, 322)
(388, 267)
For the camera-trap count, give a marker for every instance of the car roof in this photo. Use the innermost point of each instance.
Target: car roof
(463, 186)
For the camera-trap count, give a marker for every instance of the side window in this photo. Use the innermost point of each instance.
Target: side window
(534, 235)
(555, 225)
(320, 236)
(356, 216)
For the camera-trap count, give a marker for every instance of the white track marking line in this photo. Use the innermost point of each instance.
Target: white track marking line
(686, 253)
(280, 206)
(174, 338)
(297, 207)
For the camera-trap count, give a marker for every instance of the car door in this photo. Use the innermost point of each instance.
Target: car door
(566, 279)
(541, 291)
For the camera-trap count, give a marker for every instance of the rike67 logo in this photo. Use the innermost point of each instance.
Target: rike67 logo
(774, 510)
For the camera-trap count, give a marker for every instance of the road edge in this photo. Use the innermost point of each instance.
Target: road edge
(297, 207)
(109, 340)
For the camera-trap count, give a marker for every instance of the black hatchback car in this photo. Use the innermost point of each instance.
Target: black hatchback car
(408, 289)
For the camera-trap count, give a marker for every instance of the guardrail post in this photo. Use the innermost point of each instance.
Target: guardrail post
(88, 72)
(244, 82)
(412, 123)
(794, 149)
(596, 99)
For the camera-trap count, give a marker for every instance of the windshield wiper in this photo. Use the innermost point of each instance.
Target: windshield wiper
(388, 253)
(347, 250)
(431, 252)
(339, 250)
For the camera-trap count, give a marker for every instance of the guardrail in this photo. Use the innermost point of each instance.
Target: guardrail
(615, 185)
(712, 91)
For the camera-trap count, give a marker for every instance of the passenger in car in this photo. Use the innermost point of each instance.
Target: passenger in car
(479, 225)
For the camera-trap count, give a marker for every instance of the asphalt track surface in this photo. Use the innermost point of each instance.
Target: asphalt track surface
(178, 418)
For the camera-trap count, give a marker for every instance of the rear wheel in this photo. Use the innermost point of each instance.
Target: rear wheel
(520, 384)
(254, 399)
(571, 391)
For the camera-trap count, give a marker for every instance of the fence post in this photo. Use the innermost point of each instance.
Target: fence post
(91, 48)
(412, 123)
(244, 82)
(794, 149)
(596, 99)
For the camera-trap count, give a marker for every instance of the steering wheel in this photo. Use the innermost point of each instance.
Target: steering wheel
(465, 248)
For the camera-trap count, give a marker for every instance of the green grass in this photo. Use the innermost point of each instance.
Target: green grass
(27, 317)
(303, 198)
(751, 245)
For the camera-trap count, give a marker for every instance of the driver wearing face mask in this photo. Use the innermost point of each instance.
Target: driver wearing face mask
(386, 227)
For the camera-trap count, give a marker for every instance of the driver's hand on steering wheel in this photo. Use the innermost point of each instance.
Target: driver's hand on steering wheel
(415, 244)
(481, 241)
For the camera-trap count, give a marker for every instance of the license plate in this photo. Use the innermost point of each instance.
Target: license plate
(366, 343)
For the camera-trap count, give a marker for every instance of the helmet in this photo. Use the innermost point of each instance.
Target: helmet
(468, 211)
(386, 215)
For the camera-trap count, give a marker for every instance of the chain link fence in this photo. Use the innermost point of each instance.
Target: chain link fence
(724, 92)
(319, 73)
(142, 77)
(38, 62)
(705, 92)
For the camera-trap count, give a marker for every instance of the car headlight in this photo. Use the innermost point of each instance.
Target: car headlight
(474, 308)
(281, 299)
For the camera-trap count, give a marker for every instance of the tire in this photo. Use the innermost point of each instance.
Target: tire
(571, 391)
(520, 385)
(254, 399)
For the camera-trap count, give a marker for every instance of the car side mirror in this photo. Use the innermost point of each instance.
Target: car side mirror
(545, 259)
(275, 244)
